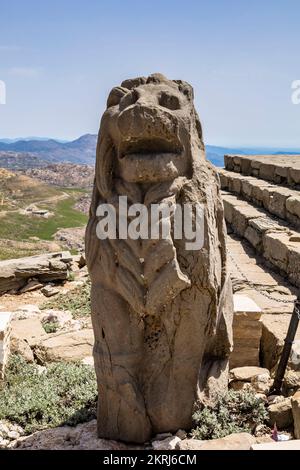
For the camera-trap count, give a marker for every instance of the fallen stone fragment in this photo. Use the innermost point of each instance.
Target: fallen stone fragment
(65, 346)
(32, 285)
(246, 374)
(281, 414)
(49, 291)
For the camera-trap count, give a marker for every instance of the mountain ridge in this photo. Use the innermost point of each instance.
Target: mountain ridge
(83, 150)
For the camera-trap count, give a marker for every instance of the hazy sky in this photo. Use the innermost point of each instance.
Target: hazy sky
(59, 59)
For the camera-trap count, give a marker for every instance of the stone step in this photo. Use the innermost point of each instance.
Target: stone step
(280, 201)
(251, 277)
(258, 339)
(271, 237)
(279, 169)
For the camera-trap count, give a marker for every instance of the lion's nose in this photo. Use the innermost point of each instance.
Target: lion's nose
(139, 98)
(138, 115)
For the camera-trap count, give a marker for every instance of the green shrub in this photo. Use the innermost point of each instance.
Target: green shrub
(65, 393)
(51, 327)
(77, 301)
(233, 412)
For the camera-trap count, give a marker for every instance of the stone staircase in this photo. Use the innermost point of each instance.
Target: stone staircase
(262, 209)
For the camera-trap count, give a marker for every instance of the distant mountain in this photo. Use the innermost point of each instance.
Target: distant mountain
(81, 150)
(38, 152)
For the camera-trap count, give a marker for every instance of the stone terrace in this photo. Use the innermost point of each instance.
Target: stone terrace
(262, 209)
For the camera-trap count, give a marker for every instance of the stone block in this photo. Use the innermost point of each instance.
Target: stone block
(247, 330)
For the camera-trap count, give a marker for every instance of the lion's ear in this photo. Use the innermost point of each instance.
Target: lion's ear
(185, 88)
(115, 96)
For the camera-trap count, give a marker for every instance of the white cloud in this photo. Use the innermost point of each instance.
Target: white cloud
(25, 72)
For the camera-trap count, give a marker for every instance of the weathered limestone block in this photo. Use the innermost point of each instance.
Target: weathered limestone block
(5, 331)
(14, 273)
(71, 346)
(281, 414)
(247, 331)
(296, 413)
(276, 249)
(161, 313)
(274, 331)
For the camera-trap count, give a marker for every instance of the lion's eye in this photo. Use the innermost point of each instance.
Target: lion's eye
(129, 99)
(169, 101)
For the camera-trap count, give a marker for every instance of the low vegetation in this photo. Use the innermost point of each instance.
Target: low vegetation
(16, 226)
(51, 327)
(234, 412)
(61, 394)
(77, 301)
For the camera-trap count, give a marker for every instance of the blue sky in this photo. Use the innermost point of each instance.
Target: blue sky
(59, 59)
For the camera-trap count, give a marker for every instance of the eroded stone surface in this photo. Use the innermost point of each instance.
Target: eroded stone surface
(161, 314)
(296, 413)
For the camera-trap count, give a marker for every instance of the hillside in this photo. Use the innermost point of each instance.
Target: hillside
(64, 174)
(31, 212)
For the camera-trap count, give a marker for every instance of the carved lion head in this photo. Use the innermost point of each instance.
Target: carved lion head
(149, 133)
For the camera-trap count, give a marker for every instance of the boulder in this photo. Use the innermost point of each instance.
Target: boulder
(70, 346)
(291, 382)
(49, 291)
(15, 273)
(261, 382)
(281, 414)
(29, 330)
(246, 374)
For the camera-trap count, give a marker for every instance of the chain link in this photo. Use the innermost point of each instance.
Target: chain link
(253, 286)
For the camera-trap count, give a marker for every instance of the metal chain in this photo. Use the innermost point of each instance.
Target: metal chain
(253, 286)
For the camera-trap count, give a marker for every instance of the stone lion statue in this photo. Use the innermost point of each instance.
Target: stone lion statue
(161, 314)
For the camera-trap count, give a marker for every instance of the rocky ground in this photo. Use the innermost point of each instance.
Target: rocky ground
(66, 175)
(50, 325)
